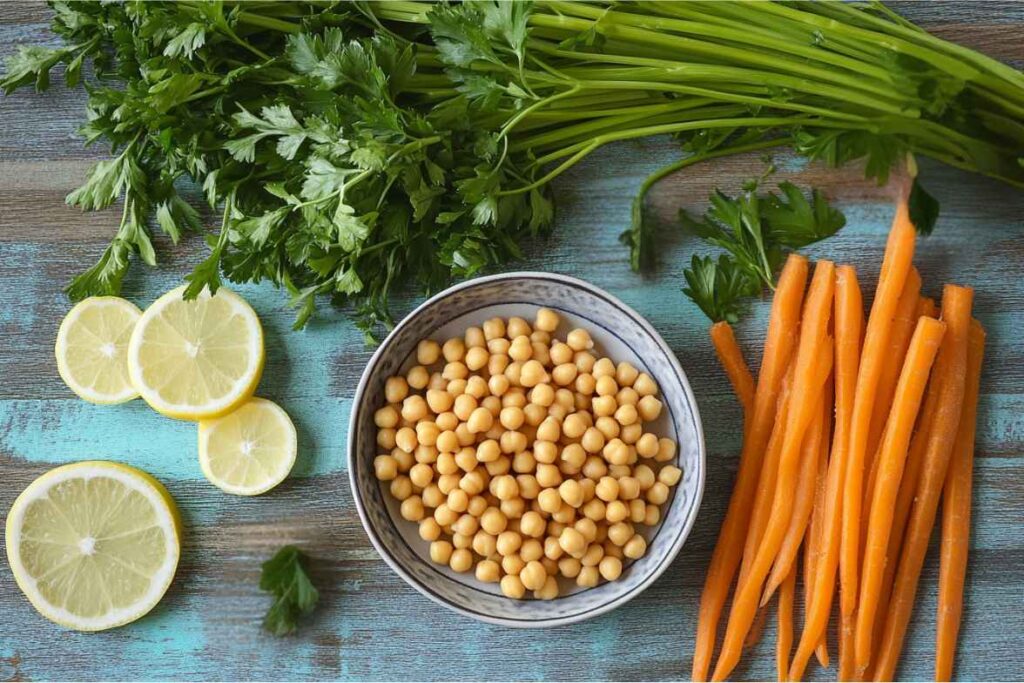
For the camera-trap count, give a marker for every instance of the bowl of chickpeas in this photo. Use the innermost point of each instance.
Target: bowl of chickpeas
(525, 449)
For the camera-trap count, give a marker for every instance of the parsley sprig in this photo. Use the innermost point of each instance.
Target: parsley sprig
(354, 149)
(284, 576)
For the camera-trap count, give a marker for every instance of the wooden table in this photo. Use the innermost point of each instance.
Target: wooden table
(370, 624)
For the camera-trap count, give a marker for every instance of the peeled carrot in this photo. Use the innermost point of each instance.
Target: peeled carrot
(757, 630)
(926, 306)
(956, 514)
(731, 358)
(895, 267)
(847, 639)
(781, 338)
(849, 322)
(762, 507)
(806, 386)
(892, 455)
(812, 550)
(784, 631)
(951, 372)
(803, 499)
(904, 323)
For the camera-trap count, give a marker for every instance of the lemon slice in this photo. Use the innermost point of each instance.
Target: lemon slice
(196, 359)
(249, 451)
(93, 544)
(92, 349)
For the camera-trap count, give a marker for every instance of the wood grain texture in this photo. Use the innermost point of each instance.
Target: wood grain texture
(371, 625)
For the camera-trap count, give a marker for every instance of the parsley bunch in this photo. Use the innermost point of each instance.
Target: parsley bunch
(354, 148)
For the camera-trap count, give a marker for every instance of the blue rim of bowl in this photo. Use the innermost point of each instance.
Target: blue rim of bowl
(677, 542)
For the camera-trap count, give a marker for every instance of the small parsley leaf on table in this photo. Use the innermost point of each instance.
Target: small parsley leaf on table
(284, 575)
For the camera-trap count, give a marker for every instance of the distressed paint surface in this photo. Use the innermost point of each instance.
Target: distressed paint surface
(370, 624)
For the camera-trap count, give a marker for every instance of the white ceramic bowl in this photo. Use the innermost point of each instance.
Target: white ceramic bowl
(620, 333)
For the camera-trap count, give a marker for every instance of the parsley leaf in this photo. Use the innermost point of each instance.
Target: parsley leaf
(284, 576)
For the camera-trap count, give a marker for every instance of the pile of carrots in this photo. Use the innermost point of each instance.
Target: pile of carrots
(853, 432)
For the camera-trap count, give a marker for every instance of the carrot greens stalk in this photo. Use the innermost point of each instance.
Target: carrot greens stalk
(781, 338)
(951, 372)
(956, 514)
(893, 452)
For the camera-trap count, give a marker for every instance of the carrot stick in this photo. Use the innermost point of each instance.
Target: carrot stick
(956, 514)
(849, 322)
(951, 372)
(757, 630)
(891, 457)
(762, 507)
(904, 323)
(926, 306)
(812, 552)
(806, 386)
(803, 499)
(847, 639)
(731, 358)
(779, 343)
(895, 267)
(784, 637)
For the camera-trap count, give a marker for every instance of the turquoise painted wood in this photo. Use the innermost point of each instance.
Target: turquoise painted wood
(370, 624)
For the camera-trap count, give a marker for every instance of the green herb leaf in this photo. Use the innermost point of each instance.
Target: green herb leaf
(284, 576)
(924, 208)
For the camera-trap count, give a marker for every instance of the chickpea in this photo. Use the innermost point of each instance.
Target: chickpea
(480, 420)
(546, 320)
(456, 387)
(619, 471)
(549, 591)
(555, 529)
(585, 384)
(592, 440)
(517, 327)
(584, 361)
(579, 340)
(592, 556)
(508, 542)
(558, 412)
(405, 460)
(552, 548)
(512, 442)
(644, 385)
(626, 414)
(386, 417)
(565, 515)
(446, 464)
(494, 328)
(564, 374)
(582, 402)
(421, 475)
(608, 427)
(439, 400)
(455, 370)
(447, 442)
(461, 560)
(473, 482)
(412, 508)
(514, 398)
(474, 338)
(649, 408)
(658, 493)
(532, 524)
(432, 496)
(670, 475)
(652, 515)
(637, 511)
(462, 407)
(629, 488)
(464, 436)
(549, 500)
(531, 550)
(571, 492)
(414, 408)
(588, 577)
(612, 550)
(533, 374)
(447, 483)
(594, 468)
(498, 384)
(444, 515)
(616, 452)
(626, 374)
(511, 418)
(606, 386)
(385, 467)
(428, 352)
(401, 488)
(561, 353)
(620, 532)
(513, 509)
(630, 434)
(504, 487)
(458, 501)
(444, 422)
(627, 396)
(587, 527)
(616, 511)
(476, 386)
(493, 521)
(533, 575)
(573, 542)
(512, 563)
(635, 547)
(573, 426)
(427, 433)
(417, 377)
(603, 406)
(497, 364)
(396, 389)
(534, 414)
(607, 489)
(487, 451)
(647, 446)
(594, 509)
(523, 462)
(542, 395)
(529, 487)
(488, 571)
(477, 505)
(569, 567)
(461, 540)
(467, 525)
(610, 568)
(573, 456)
(429, 529)
(548, 476)
(512, 587)
(545, 452)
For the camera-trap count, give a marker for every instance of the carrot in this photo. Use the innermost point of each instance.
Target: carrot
(847, 639)
(784, 631)
(757, 630)
(849, 322)
(895, 267)
(762, 507)
(926, 306)
(951, 372)
(779, 343)
(803, 498)
(904, 323)
(806, 386)
(956, 514)
(731, 358)
(891, 457)
(812, 552)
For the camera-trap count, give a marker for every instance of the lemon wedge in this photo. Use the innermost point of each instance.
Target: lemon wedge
(196, 359)
(93, 545)
(92, 349)
(249, 451)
